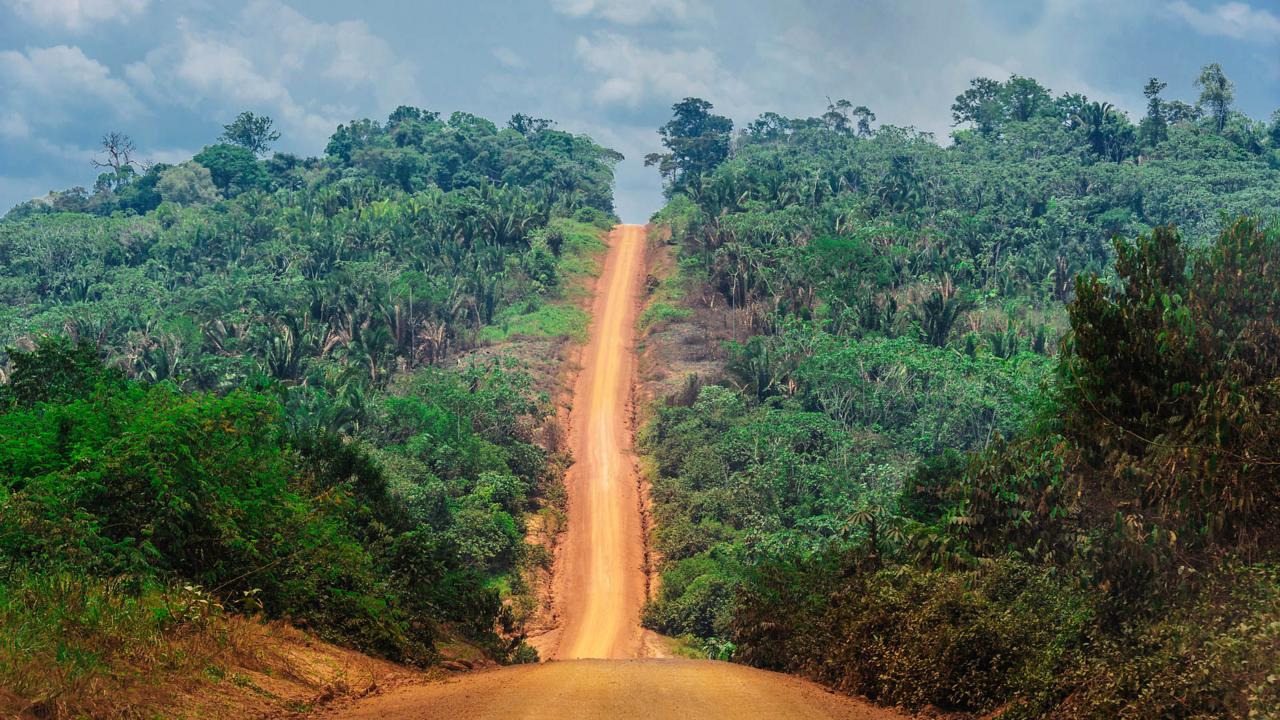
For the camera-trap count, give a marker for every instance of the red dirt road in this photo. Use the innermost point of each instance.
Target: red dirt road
(600, 581)
(599, 586)
(617, 690)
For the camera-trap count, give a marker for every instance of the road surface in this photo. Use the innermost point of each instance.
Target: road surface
(597, 670)
(599, 587)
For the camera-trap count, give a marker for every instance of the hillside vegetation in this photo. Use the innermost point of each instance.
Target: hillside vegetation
(245, 385)
(994, 424)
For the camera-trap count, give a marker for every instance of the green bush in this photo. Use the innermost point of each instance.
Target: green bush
(659, 313)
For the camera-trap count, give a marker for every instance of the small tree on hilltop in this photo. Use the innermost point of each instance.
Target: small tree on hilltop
(249, 131)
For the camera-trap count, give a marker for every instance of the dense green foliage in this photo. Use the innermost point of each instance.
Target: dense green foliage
(116, 478)
(226, 385)
(892, 490)
(394, 251)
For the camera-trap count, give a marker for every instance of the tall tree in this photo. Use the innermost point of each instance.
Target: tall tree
(1155, 128)
(118, 159)
(251, 132)
(980, 105)
(1216, 93)
(1024, 98)
(119, 149)
(843, 117)
(698, 141)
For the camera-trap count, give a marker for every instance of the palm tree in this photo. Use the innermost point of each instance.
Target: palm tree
(1092, 119)
(937, 314)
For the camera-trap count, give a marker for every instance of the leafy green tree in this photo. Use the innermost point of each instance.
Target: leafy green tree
(1107, 132)
(56, 371)
(1025, 98)
(697, 141)
(527, 125)
(768, 127)
(843, 117)
(1216, 93)
(937, 314)
(251, 132)
(234, 169)
(1178, 112)
(187, 184)
(1155, 127)
(980, 105)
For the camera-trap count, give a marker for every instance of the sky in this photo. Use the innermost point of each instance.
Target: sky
(170, 73)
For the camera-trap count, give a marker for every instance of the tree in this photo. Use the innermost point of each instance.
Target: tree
(843, 117)
(1108, 133)
(251, 132)
(119, 149)
(234, 168)
(1024, 98)
(768, 127)
(1176, 112)
(187, 184)
(938, 313)
(57, 370)
(980, 105)
(1216, 93)
(405, 113)
(528, 125)
(698, 141)
(1154, 126)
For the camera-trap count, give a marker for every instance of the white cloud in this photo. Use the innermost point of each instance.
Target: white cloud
(631, 73)
(508, 58)
(57, 80)
(272, 59)
(1233, 19)
(633, 12)
(908, 59)
(76, 15)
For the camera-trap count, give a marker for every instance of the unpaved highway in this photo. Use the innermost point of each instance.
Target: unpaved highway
(600, 583)
(617, 690)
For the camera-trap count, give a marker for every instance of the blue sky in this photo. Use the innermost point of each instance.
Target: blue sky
(171, 72)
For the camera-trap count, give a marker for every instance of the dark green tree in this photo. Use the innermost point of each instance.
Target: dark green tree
(979, 105)
(936, 315)
(1155, 128)
(234, 168)
(528, 125)
(251, 132)
(698, 141)
(1025, 98)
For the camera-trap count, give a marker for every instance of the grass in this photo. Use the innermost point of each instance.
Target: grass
(661, 312)
(80, 646)
(664, 304)
(538, 319)
(580, 254)
(555, 316)
(77, 646)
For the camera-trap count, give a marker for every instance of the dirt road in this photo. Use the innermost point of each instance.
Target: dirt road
(617, 690)
(600, 582)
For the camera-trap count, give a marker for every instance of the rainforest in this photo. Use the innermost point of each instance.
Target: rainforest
(856, 420)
